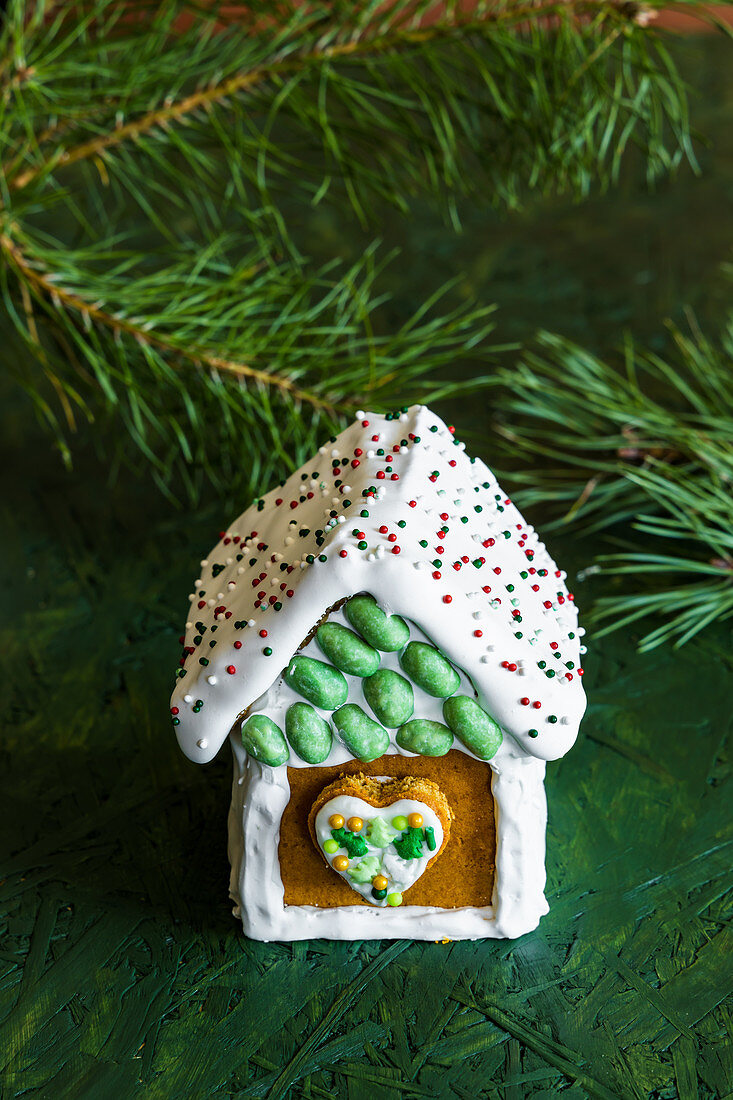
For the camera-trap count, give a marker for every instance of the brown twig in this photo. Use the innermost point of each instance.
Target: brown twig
(44, 286)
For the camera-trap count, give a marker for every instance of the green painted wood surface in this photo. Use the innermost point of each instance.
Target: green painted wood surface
(122, 972)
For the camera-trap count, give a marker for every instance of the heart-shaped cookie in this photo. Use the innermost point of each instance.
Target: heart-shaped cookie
(380, 834)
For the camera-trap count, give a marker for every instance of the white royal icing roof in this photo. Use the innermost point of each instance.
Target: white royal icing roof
(418, 486)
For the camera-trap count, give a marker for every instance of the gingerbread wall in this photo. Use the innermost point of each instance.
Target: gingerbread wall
(464, 873)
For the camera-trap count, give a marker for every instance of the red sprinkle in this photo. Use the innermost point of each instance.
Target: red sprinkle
(263, 634)
(231, 669)
(537, 705)
(447, 599)
(395, 549)
(436, 575)
(524, 701)
(478, 633)
(412, 503)
(342, 553)
(237, 644)
(174, 710)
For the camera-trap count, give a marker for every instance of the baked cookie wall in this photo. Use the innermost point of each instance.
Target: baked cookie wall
(464, 874)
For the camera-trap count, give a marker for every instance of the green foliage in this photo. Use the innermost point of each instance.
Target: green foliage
(650, 444)
(153, 163)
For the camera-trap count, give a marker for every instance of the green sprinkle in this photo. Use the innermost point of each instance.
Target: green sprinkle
(354, 844)
(267, 651)
(533, 733)
(409, 845)
(552, 718)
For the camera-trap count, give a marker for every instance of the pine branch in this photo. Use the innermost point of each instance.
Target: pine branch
(44, 285)
(649, 445)
(151, 175)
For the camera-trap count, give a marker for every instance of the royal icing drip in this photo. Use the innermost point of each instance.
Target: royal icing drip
(395, 507)
(383, 858)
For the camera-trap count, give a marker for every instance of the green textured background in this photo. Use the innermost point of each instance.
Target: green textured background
(122, 972)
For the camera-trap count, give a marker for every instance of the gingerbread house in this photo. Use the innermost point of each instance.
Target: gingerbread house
(394, 656)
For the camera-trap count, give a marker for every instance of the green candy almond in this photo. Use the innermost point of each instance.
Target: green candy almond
(263, 739)
(473, 726)
(346, 650)
(386, 632)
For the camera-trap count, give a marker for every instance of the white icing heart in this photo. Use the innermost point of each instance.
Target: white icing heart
(381, 857)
